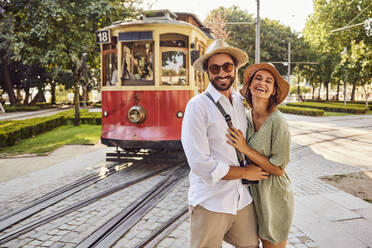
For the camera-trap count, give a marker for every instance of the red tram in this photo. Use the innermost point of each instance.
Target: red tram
(148, 78)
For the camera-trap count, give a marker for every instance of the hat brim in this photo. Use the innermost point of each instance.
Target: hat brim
(240, 56)
(283, 85)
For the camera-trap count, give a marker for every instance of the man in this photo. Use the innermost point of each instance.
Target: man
(221, 207)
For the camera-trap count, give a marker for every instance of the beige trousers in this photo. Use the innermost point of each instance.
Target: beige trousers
(208, 229)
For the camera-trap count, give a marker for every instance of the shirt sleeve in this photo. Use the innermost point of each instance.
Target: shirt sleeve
(280, 143)
(195, 143)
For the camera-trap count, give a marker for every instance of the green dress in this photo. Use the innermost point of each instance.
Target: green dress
(272, 197)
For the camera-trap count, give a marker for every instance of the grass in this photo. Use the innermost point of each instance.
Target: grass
(49, 141)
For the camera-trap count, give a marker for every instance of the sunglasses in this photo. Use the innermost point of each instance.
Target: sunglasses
(227, 67)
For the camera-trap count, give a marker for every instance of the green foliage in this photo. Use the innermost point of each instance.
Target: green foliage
(357, 104)
(355, 65)
(55, 34)
(36, 107)
(20, 108)
(274, 38)
(49, 141)
(303, 90)
(11, 132)
(23, 129)
(330, 107)
(300, 110)
(331, 15)
(93, 118)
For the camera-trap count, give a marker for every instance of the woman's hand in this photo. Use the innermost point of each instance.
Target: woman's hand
(237, 140)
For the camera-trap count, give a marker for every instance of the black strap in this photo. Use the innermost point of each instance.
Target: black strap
(229, 123)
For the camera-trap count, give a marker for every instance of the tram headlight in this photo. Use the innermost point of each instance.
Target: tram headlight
(137, 114)
(105, 113)
(180, 114)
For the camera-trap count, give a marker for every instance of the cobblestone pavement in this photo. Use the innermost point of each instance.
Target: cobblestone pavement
(320, 147)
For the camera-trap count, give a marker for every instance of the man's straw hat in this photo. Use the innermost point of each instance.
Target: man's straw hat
(283, 85)
(219, 46)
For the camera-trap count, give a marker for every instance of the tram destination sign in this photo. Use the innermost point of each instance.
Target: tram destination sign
(103, 37)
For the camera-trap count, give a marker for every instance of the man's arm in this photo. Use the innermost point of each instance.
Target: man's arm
(250, 172)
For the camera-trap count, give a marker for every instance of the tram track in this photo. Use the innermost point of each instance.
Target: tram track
(114, 229)
(87, 181)
(160, 233)
(55, 196)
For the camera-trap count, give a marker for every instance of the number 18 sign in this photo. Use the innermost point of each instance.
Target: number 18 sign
(103, 37)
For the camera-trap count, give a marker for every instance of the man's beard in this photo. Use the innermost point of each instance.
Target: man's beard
(215, 85)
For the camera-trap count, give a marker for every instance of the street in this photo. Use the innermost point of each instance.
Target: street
(325, 216)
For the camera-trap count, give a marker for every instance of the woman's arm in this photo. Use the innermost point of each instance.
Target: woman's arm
(237, 140)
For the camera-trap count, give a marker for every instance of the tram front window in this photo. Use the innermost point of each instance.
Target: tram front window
(137, 63)
(173, 68)
(109, 65)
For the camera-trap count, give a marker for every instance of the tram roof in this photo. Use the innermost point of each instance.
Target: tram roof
(149, 21)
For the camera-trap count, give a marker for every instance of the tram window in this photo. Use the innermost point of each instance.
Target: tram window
(110, 69)
(110, 61)
(173, 40)
(111, 45)
(173, 69)
(173, 43)
(137, 63)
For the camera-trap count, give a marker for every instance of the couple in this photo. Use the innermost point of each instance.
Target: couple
(221, 207)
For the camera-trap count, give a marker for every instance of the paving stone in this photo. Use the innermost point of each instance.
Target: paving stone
(47, 243)
(57, 245)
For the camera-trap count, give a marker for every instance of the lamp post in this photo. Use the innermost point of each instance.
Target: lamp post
(257, 57)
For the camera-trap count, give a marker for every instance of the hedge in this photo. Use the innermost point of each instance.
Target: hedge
(21, 108)
(330, 107)
(12, 131)
(359, 104)
(300, 111)
(37, 106)
(16, 130)
(86, 117)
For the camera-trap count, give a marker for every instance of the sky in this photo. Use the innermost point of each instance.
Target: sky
(291, 13)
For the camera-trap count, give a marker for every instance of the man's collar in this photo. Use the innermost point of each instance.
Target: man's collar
(216, 95)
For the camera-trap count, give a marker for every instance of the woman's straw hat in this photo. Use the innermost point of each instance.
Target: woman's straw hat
(219, 46)
(283, 85)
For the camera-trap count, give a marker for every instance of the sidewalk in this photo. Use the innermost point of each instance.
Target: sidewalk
(329, 216)
(29, 114)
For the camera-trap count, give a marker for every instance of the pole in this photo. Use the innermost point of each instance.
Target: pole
(289, 62)
(344, 93)
(257, 58)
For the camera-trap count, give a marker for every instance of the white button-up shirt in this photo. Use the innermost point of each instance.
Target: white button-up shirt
(209, 156)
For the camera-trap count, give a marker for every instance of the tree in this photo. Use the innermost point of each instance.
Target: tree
(274, 38)
(216, 22)
(6, 39)
(355, 66)
(330, 15)
(58, 33)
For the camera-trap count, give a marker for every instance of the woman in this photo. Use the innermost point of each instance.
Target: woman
(267, 145)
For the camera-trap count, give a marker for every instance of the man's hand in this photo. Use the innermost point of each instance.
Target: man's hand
(253, 173)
